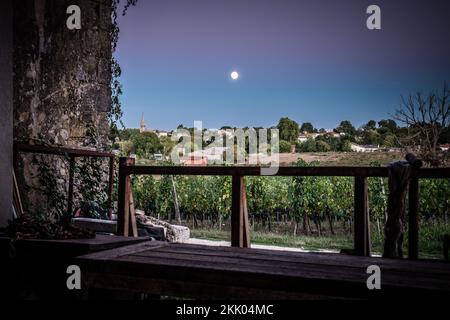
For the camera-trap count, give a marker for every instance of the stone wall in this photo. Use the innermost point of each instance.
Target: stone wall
(6, 117)
(61, 86)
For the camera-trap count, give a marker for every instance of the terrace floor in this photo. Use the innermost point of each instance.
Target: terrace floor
(199, 271)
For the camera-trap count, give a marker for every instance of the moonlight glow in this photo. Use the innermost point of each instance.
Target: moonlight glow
(234, 75)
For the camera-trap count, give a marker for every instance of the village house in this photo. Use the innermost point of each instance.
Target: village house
(363, 148)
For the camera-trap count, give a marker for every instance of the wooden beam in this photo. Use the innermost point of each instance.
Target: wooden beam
(256, 171)
(413, 218)
(244, 216)
(132, 229)
(110, 185)
(123, 194)
(29, 148)
(239, 218)
(361, 232)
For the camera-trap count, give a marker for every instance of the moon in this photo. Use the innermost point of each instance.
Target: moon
(234, 75)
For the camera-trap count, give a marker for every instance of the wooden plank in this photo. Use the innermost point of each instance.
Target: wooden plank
(190, 289)
(361, 235)
(302, 273)
(331, 272)
(306, 277)
(256, 171)
(27, 148)
(413, 219)
(310, 258)
(328, 171)
(73, 247)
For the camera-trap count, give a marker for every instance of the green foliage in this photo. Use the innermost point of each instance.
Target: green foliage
(146, 144)
(285, 146)
(307, 146)
(322, 146)
(56, 205)
(307, 127)
(289, 129)
(347, 128)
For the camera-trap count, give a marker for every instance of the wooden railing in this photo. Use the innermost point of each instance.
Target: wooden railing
(239, 220)
(71, 154)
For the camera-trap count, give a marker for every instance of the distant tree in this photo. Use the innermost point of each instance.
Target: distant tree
(389, 141)
(146, 144)
(347, 128)
(322, 130)
(370, 136)
(387, 126)
(322, 146)
(346, 146)
(307, 146)
(370, 125)
(128, 134)
(285, 146)
(307, 127)
(167, 145)
(426, 117)
(289, 129)
(334, 143)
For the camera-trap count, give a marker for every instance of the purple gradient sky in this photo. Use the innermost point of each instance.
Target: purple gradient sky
(310, 60)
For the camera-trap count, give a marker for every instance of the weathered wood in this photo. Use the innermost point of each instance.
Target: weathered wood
(245, 225)
(157, 266)
(28, 148)
(70, 193)
(239, 216)
(344, 171)
(110, 185)
(361, 225)
(413, 219)
(318, 259)
(123, 197)
(132, 224)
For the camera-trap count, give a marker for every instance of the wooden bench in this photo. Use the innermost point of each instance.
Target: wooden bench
(184, 270)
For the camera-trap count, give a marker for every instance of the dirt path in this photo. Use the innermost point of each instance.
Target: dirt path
(254, 246)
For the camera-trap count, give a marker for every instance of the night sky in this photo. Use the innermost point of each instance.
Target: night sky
(309, 60)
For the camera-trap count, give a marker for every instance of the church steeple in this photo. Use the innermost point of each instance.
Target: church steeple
(142, 127)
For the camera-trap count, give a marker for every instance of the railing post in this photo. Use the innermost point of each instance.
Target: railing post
(110, 185)
(123, 205)
(413, 218)
(239, 216)
(71, 174)
(361, 224)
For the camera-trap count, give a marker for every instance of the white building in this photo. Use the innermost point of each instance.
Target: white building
(363, 148)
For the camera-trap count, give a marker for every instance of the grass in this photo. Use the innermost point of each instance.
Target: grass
(312, 243)
(430, 240)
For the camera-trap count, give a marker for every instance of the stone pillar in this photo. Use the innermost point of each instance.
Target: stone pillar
(62, 91)
(6, 111)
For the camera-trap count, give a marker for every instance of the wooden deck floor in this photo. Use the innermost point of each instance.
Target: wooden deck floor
(187, 270)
